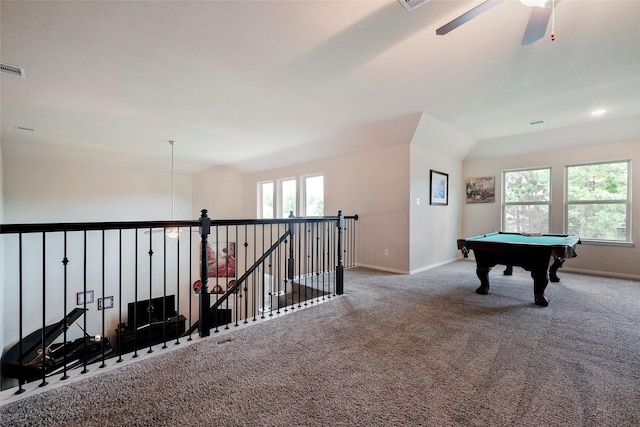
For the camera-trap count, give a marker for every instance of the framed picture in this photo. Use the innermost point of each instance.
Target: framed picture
(104, 303)
(221, 261)
(481, 190)
(439, 194)
(84, 298)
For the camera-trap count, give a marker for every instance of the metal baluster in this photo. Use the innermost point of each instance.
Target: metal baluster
(84, 302)
(135, 300)
(102, 338)
(150, 307)
(21, 381)
(164, 289)
(65, 327)
(271, 275)
(190, 276)
(278, 272)
(178, 287)
(120, 328)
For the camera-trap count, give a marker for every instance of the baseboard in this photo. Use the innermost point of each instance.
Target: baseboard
(429, 267)
(394, 270)
(609, 274)
(377, 267)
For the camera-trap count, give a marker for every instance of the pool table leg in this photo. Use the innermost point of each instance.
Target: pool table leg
(557, 263)
(540, 282)
(483, 274)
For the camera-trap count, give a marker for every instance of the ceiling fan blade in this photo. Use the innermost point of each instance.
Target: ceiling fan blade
(537, 25)
(465, 17)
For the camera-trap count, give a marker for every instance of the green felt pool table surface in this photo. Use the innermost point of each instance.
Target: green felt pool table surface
(528, 239)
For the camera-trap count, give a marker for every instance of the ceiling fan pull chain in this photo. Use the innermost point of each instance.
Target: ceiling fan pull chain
(553, 20)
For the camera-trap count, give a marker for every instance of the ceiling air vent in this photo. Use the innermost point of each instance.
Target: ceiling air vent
(536, 122)
(12, 70)
(412, 4)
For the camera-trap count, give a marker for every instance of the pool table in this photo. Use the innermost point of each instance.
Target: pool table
(530, 251)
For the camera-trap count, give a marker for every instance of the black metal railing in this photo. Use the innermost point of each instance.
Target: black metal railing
(83, 293)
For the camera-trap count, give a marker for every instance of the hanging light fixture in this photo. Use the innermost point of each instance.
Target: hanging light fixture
(172, 232)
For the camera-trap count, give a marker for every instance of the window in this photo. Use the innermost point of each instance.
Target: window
(313, 195)
(284, 196)
(265, 199)
(289, 197)
(598, 201)
(526, 201)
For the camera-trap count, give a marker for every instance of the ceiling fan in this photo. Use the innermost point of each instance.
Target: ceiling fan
(541, 14)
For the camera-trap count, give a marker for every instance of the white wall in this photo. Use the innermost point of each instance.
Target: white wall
(47, 184)
(219, 190)
(485, 217)
(372, 184)
(2, 262)
(434, 229)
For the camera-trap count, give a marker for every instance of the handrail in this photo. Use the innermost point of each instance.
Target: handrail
(236, 287)
(125, 225)
(92, 226)
(123, 270)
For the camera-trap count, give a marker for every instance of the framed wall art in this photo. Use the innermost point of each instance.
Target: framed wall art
(105, 303)
(439, 188)
(221, 259)
(481, 190)
(83, 298)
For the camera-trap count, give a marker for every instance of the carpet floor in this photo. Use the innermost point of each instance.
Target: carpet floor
(416, 350)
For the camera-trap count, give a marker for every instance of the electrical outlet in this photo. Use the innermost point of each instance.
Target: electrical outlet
(386, 252)
(418, 201)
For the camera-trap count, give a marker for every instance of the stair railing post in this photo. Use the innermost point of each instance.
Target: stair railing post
(291, 262)
(205, 298)
(340, 266)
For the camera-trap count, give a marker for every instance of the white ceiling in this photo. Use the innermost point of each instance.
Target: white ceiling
(260, 84)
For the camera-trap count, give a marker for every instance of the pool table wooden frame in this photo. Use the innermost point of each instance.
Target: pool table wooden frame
(529, 251)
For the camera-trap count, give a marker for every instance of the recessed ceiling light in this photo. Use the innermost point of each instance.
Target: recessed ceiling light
(598, 112)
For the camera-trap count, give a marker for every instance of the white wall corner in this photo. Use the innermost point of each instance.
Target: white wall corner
(440, 137)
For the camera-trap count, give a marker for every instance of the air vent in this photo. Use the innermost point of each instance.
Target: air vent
(412, 4)
(536, 122)
(12, 70)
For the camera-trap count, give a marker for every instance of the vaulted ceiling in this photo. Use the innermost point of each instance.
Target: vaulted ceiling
(258, 84)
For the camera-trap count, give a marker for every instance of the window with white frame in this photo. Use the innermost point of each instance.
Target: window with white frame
(265, 199)
(279, 198)
(599, 201)
(313, 186)
(526, 199)
(288, 197)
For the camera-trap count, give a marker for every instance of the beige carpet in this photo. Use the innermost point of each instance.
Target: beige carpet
(394, 350)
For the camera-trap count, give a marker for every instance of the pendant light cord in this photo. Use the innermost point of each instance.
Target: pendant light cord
(553, 20)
